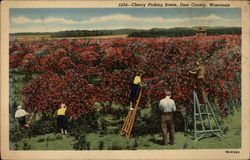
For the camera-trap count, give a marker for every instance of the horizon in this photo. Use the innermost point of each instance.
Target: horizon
(31, 20)
(127, 29)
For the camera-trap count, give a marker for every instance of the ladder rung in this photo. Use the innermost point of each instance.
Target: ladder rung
(203, 122)
(206, 122)
(197, 114)
(201, 131)
(124, 131)
(130, 119)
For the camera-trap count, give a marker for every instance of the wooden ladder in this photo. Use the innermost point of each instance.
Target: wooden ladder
(31, 118)
(130, 119)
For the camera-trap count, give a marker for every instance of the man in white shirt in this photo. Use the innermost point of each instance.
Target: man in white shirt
(167, 108)
(21, 116)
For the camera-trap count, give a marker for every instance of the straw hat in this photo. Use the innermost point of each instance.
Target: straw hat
(140, 72)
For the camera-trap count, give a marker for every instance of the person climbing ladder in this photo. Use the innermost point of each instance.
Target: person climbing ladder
(130, 119)
(199, 73)
(137, 83)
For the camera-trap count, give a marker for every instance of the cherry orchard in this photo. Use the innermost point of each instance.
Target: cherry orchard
(82, 72)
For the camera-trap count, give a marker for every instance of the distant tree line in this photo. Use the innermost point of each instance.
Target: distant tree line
(183, 32)
(221, 31)
(173, 32)
(155, 32)
(31, 34)
(81, 33)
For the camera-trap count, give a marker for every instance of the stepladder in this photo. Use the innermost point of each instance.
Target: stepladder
(204, 120)
(130, 119)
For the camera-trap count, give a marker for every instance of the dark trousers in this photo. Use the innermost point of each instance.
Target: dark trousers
(133, 93)
(62, 122)
(200, 91)
(22, 120)
(168, 127)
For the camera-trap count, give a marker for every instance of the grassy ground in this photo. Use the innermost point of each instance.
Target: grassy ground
(46, 142)
(113, 141)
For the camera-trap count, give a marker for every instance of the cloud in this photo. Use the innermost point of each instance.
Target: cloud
(115, 21)
(114, 17)
(37, 29)
(110, 26)
(23, 20)
(207, 18)
(123, 17)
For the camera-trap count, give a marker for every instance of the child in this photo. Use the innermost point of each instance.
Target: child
(61, 118)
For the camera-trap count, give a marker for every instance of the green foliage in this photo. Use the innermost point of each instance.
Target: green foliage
(26, 146)
(41, 140)
(19, 79)
(147, 122)
(91, 122)
(46, 124)
(16, 146)
(154, 32)
(115, 146)
(147, 119)
(101, 145)
(92, 139)
(81, 143)
(226, 30)
(58, 137)
(17, 132)
(184, 31)
(45, 142)
(81, 33)
(185, 145)
(52, 138)
(135, 145)
(30, 33)
(85, 124)
(173, 32)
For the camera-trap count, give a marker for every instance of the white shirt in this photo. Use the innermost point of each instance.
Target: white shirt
(20, 113)
(167, 105)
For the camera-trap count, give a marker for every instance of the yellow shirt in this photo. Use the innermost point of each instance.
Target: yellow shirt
(137, 80)
(61, 111)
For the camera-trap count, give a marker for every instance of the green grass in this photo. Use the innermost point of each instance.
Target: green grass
(113, 141)
(47, 142)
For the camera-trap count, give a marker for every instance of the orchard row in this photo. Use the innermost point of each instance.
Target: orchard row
(82, 72)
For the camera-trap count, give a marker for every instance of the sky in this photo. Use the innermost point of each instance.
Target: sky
(60, 19)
